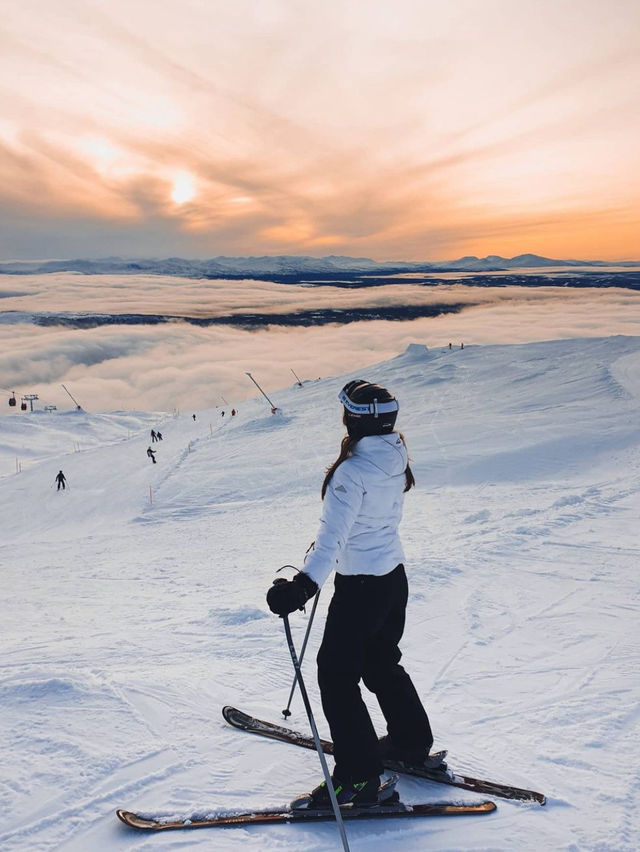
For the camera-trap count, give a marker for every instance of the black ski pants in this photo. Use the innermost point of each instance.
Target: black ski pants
(364, 625)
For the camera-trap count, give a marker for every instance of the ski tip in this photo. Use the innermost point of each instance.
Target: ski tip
(235, 717)
(134, 821)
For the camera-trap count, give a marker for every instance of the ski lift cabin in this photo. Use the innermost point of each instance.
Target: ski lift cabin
(12, 399)
(23, 406)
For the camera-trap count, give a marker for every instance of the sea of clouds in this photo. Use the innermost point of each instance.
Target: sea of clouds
(181, 366)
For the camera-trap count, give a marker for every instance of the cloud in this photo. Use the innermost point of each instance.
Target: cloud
(389, 132)
(186, 367)
(202, 298)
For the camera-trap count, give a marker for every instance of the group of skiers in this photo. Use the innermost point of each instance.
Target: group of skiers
(156, 436)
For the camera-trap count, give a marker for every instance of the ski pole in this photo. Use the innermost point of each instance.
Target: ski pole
(287, 712)
(316, 737)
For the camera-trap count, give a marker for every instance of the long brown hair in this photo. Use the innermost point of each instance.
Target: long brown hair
(346, 449)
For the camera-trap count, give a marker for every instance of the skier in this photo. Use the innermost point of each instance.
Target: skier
(363, 492)
(158, 436)
(154, 437)
(194, 417)
(60, 479)
(152, 454)
(233, 412)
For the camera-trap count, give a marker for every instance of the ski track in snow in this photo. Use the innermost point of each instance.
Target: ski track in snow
(128, 624)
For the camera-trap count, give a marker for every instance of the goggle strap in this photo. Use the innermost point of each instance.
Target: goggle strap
(374, 407)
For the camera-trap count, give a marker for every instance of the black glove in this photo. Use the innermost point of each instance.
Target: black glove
(285, 596)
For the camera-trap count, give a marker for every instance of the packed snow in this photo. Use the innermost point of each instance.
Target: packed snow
(133, 605)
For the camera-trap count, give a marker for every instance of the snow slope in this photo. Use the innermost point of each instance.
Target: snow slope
(127, 624)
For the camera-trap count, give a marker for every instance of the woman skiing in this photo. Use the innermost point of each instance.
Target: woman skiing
(363, 493)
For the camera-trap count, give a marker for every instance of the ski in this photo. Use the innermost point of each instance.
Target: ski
(245, 722)
(300, 815)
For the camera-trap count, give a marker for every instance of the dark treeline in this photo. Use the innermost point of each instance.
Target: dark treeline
(319, 316)
(627, 280)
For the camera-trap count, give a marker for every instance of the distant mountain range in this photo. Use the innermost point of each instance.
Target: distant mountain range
(289, 267)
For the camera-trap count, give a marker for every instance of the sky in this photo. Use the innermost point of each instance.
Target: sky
(415, 130)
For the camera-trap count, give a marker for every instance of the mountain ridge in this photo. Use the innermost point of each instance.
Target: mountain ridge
(223, 266)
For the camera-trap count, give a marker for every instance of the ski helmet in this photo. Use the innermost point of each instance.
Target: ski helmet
(369, 409)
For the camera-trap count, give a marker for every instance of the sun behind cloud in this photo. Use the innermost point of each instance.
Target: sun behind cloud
(184, 188)
(417, 130)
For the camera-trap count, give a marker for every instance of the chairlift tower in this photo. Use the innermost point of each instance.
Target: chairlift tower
(29, 397)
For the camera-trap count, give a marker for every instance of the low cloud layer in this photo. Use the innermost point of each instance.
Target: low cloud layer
(186, 367)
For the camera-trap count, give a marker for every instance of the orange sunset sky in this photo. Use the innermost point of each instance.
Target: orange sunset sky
(412, 129)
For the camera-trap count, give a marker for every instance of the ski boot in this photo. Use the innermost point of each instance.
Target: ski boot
(367, 793)
(411, 758)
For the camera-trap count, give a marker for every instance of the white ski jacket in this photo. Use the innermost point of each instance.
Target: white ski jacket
(362, 509)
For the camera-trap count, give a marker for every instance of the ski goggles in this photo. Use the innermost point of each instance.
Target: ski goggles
(374, 407)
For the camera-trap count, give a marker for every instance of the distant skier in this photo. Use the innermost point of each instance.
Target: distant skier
(194, 417)
(154, 437)
(233, 412)
(363, 493)
(152, 454)
(62, 482)
(223, 413)
(158, 436)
